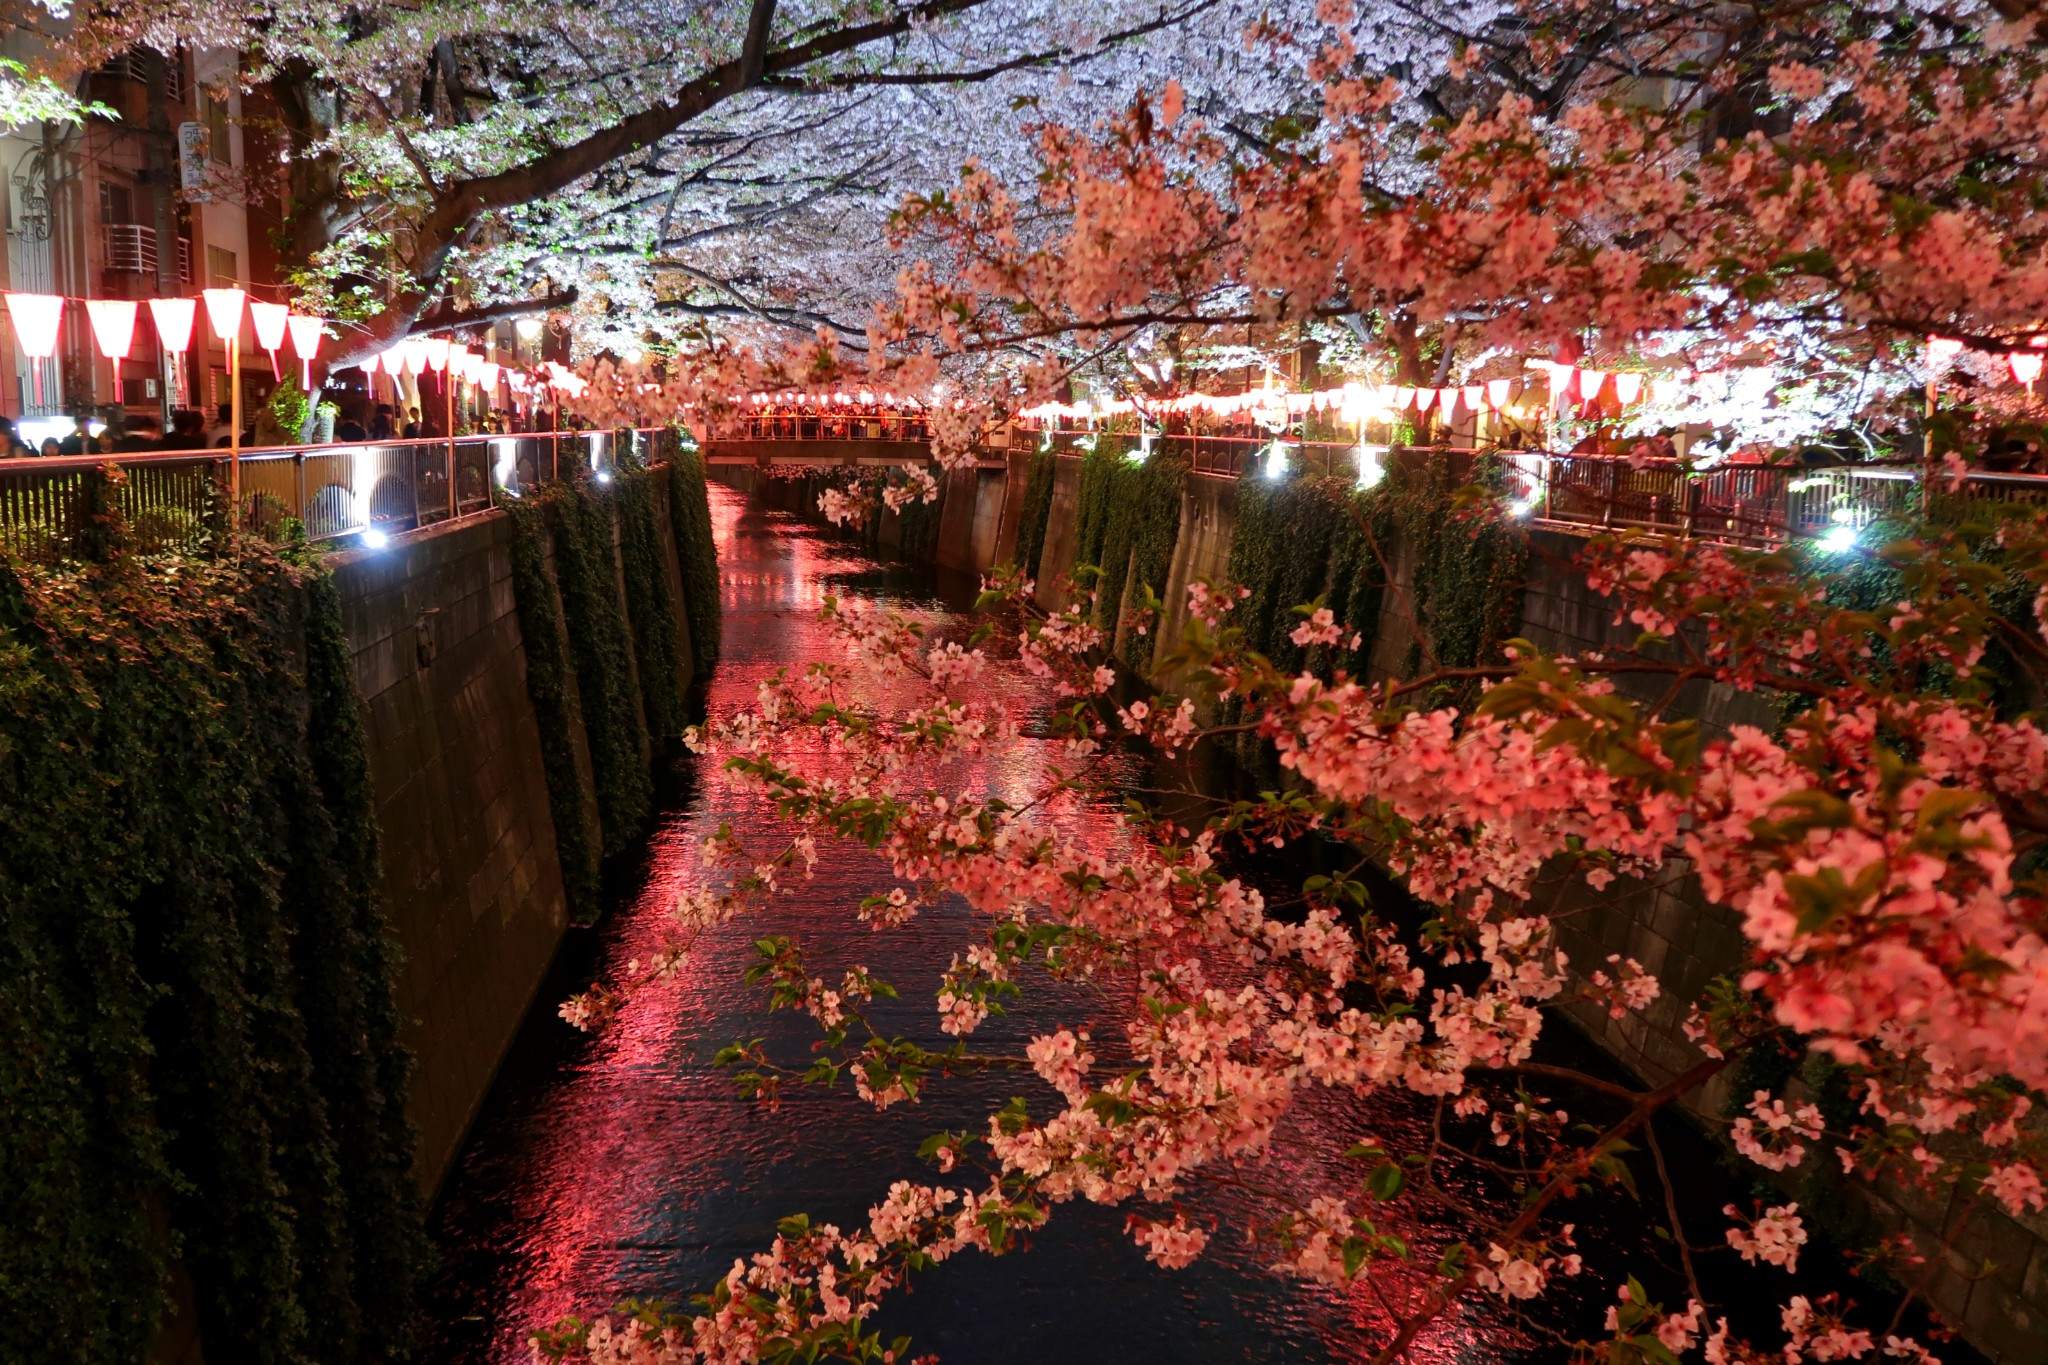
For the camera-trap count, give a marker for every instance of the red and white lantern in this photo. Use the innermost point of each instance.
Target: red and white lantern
(269, 321)
(36, 317)
(305, 334)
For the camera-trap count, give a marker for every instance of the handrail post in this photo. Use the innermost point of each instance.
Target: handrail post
(454, 502)
(299, 484)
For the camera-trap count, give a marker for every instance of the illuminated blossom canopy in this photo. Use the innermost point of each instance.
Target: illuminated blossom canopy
(1807, 191)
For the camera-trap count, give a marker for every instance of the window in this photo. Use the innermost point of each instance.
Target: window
(117, 203)
(220, 268)
(217, 146)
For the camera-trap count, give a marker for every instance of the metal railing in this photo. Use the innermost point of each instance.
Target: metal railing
(1736, 504)
(130, 249)
(170, 499)
(827, 425)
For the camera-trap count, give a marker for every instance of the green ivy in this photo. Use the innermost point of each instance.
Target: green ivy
(1034, 510)
(587, 572)
(1130, 514)
(1313, 537)
(650, 605)
(1469, 575)
(198, 1044)
(917, 526)
(546, 647)
(689, 510)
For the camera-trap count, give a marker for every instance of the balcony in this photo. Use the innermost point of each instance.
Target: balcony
(130, 249)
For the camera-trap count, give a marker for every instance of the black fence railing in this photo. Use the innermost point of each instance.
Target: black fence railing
(1739, 504)
(167, 498)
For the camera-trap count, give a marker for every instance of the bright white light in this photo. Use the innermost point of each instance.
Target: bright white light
(1371, 465)
(33, 431)
(1521, 507)
(1276, 459)
(634, 355)
(1839, 540)
(528, 328)
(374, 539)
(603, 476)
(505, 461)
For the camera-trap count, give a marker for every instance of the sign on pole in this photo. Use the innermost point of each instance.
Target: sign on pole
(192, 162)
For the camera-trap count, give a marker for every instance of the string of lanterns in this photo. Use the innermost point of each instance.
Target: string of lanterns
(1354, 399)
(826, 400)
(1566, 383)
(38, 321)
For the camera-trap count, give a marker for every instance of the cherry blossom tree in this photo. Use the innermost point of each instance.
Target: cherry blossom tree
(1815, 189)
(646, 170)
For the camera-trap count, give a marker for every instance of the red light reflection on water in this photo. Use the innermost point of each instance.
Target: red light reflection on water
(636, 1168)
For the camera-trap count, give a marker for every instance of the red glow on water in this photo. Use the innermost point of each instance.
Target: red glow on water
(636, 1169)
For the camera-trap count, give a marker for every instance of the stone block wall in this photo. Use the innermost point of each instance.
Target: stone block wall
(1062, 532)
(471, 878)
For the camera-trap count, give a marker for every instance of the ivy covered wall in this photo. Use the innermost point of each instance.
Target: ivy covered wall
(603, 654)
(199, 1054)
(1312, 538)
(1035, 509)
(689, 510)
(1128, 516)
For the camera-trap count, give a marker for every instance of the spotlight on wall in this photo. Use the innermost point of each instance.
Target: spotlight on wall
(374, 539)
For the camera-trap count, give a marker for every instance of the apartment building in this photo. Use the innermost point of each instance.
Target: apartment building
(153, 197)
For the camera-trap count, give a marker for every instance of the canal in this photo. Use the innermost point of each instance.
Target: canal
(625, 1164)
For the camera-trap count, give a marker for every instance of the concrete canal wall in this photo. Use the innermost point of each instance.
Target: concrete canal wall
(473, 880)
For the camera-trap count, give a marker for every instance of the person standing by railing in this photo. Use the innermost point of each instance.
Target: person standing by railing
(141, 433)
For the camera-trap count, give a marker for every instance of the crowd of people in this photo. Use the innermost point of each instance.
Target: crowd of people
(796, 421)
(132, 435)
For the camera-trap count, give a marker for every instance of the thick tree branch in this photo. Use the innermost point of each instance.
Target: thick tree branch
(461, 206)
(443, 319)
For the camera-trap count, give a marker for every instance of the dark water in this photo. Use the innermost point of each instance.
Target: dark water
(626, 1165)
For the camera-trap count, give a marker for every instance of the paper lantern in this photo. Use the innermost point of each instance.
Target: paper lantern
(1404, 397)
(1628, 388)
(415, 351)
(1423, 398)
(487, 376)
(173, 319)
(437, 353)
(224, 311)
(1474, 395)
(35, 328)
(2026, 366)
(35, 322)
(1497, 392)
(269, 321)
(305, 333)
(113, 326)
(1589, 384)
